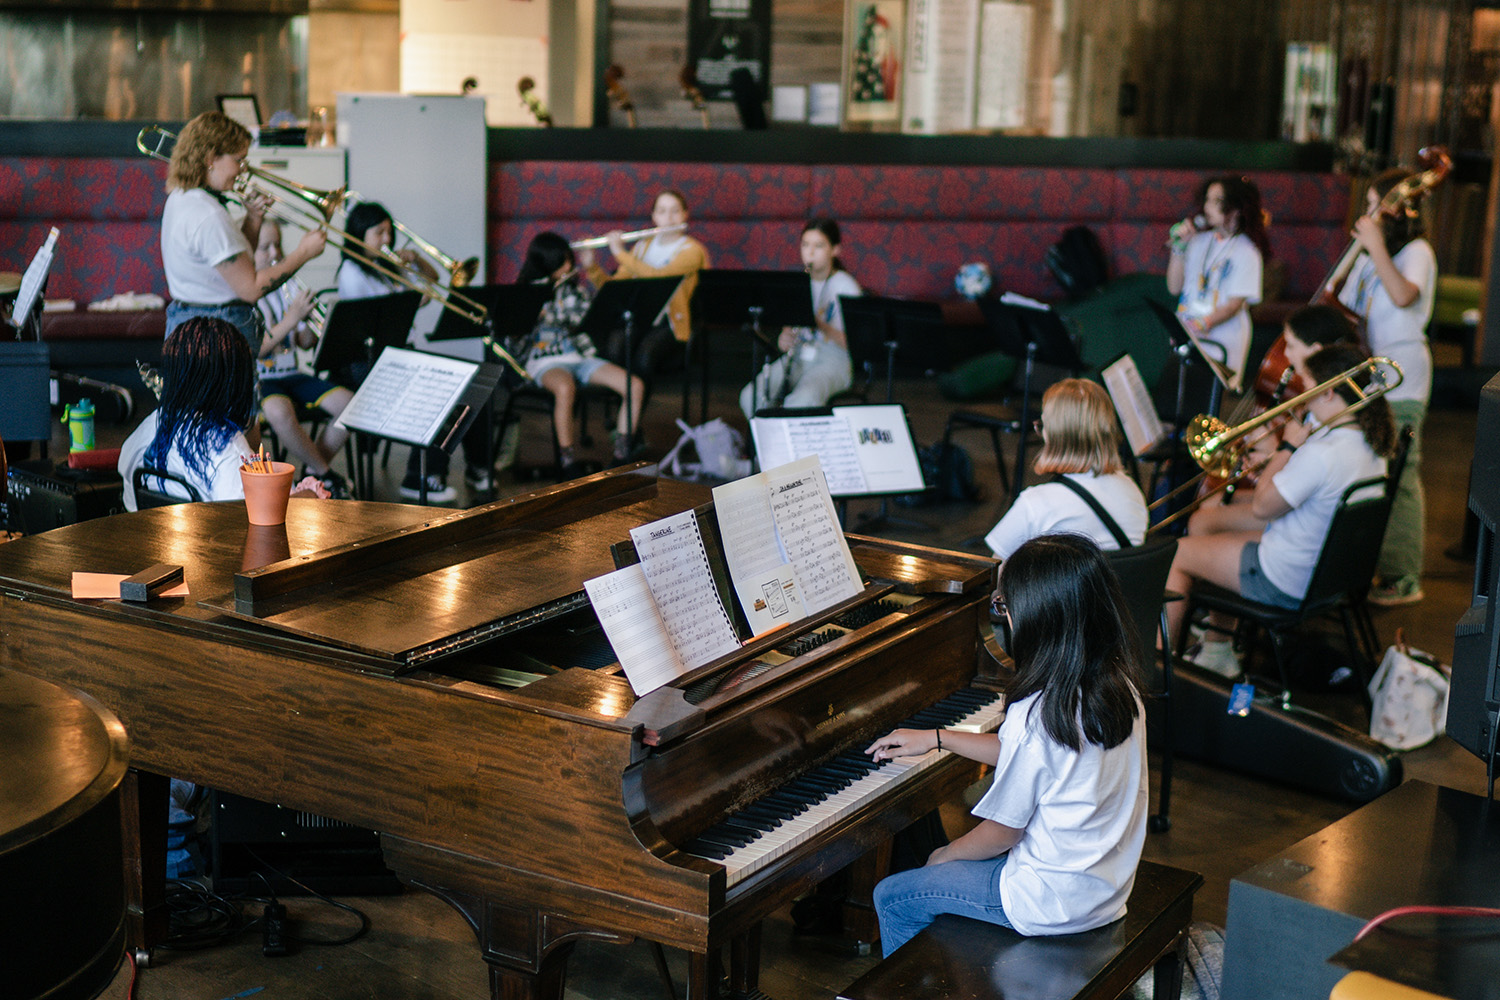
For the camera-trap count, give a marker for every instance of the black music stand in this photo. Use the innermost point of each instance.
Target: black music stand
(1033, 333)
(757, 301)
(618, 305)
(358, 330)
(1190, 353)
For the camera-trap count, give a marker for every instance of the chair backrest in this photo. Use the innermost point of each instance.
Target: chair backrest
(147, 496)
(1346, 563)
(1397, 463)
(1142, 570)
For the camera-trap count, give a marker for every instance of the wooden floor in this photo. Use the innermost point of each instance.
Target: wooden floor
(1222, 822)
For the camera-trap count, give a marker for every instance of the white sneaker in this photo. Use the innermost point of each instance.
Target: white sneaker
(438, 490)
(1217, 658)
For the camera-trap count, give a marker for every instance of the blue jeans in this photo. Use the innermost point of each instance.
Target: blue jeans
(908, 901)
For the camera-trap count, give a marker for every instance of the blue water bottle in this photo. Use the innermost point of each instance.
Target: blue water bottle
(80, 420)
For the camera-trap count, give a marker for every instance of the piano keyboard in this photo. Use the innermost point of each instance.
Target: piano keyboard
(776, 824)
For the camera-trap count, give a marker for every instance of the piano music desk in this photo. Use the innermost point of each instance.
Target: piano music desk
(372, 678)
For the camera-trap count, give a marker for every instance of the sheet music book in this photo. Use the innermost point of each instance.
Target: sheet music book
(1127, 390)
(864, 450)
(792, 505)
(409, 396)
(32, 281)
(662, 615)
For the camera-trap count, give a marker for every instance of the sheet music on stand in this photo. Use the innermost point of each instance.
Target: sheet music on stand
(865, 450)
(32, 281)
(412, 397)
(1127, 390)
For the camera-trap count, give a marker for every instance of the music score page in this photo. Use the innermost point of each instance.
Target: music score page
(408, 396)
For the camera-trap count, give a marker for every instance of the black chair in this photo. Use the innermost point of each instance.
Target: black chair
(995, 419)
(1341, 576)
(532, 398)
(1142, 570)
(146, 496)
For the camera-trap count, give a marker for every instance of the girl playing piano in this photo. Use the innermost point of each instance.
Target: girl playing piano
(1062, 826)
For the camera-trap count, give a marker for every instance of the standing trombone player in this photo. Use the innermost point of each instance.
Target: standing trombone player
(209, 260)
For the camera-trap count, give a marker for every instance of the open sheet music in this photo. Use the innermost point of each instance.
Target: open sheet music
(786, 558)
(409, 396)
(33, 279)
(662, 615)
(1127, 390)
(864, 450)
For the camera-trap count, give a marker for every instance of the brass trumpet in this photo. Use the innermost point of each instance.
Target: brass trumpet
(637, 234)
(318, 207)
(1220, 449)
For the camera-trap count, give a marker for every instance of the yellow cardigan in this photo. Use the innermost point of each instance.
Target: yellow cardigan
(690, 258)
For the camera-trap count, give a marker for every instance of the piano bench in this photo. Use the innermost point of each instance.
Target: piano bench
(958, 957)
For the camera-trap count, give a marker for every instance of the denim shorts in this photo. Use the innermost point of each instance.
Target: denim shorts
(243, 316)
(582, 369)
(1255, 586)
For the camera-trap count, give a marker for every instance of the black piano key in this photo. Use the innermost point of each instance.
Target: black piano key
(716, 835)
(764, 824)
(703, 849)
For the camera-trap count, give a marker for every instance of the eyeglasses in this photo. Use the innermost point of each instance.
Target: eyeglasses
(998, 606)
(1036, 425)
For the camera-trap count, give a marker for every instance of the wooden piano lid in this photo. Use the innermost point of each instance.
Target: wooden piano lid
(429, 588)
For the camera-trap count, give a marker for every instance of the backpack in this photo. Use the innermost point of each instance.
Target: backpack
(948, 472)
(719, 448)
(1078, 263)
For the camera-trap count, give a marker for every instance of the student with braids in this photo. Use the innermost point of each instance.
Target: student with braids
(1266, 549)
(1393, 286)
(198, 432)
(1062, 826)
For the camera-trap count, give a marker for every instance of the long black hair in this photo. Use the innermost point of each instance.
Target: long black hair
(208, 393)
(360, 220)
(1241, 196)
(1073, 639)
(546, 253)
(1405, 223)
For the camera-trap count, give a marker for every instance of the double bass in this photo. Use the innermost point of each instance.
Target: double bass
(1276, 380)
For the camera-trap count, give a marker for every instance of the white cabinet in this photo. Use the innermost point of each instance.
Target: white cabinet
(319, 169)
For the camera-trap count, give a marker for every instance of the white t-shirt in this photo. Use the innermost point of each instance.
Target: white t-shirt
(221, 483)
(1052, 508)
(197, 235)
(1214, 271)
(354, 282)
(1395, 332)
(1084, 814)
(1312, 481)
(826, 296)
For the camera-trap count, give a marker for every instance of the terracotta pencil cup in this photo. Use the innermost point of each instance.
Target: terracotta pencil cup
(267, 493)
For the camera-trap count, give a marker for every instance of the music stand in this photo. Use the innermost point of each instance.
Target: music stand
(512, 312)
(26, 310)
(617, 305)
(360, 329)
(1032, 332)
(753, 300)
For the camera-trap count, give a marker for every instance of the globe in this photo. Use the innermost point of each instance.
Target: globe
(972, 280)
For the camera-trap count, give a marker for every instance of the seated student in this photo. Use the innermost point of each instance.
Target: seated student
(561, 358)
(814, 363)
(207, 406)
(1081, 449)
(1266, 549)
(1062, 825)
(282, 387)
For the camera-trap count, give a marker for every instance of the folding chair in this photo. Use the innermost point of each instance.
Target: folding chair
(147, 496)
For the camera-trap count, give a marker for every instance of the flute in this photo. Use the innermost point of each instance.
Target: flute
(638, 234)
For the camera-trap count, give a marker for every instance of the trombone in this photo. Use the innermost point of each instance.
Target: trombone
(152, 141)
(1220, 449)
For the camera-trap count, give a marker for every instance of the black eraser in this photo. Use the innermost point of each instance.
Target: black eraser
(149, 583)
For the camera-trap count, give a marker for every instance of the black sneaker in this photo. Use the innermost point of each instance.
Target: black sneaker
(438, 490)
(336, 485)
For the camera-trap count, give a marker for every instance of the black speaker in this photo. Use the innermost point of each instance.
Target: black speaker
(1474, 698)
(253, 843)
(43, 496)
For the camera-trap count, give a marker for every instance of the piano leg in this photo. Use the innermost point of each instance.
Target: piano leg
(143, 818)
(861, 929)
(744, 966)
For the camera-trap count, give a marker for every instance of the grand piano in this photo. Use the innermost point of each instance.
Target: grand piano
(440, 677)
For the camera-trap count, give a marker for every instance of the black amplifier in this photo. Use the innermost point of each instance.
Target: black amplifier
(44, 496)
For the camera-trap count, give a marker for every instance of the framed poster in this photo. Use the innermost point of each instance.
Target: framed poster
(728, 35)
(873, 47)
(243, 108)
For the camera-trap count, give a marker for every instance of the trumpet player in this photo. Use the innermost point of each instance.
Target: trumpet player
(208, 258)
(1267, 549)
(283, 389)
